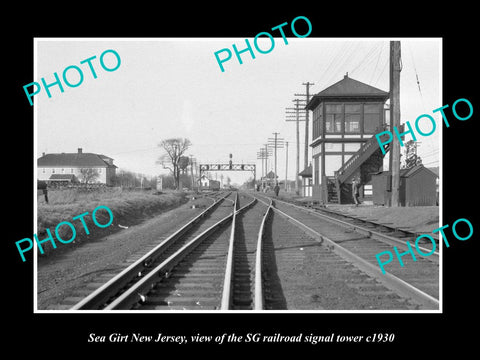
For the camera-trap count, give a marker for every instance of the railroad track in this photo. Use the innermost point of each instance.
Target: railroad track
(417, 283)
(361, 224)
(245, 254)
(139, 265)
(209, 268)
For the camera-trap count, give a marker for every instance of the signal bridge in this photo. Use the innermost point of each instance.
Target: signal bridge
(229, 167)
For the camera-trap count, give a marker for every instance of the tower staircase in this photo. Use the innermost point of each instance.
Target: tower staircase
(368, 154)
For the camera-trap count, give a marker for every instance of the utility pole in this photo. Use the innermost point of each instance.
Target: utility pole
(286, 165)
(191, 171)
(395, 68)
(297, 120)
(277, 143)
(307, 99)
(261, 156)
(267, 152)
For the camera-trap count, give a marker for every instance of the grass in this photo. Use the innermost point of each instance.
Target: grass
(128, 207)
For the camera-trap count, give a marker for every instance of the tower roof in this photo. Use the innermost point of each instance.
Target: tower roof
(347, 88)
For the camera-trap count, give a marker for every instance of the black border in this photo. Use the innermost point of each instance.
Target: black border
(414, 332)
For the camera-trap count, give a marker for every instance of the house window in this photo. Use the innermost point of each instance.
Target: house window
(314, 124)
(63, 171)
(317, 121)
(371, 119)
(334, 118)
(352, 118)
(71, 171)
(43, 171)
(53, 171)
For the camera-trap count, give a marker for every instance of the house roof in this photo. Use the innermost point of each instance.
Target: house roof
(347, 88)
(74, 160)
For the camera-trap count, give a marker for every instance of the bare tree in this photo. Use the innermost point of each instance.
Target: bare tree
(171, 158)
(88, 175)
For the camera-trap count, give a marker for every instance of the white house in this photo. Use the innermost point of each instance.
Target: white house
(206, 183)
(67, 167)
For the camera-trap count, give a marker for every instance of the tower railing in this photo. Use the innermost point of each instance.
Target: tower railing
(357, 159)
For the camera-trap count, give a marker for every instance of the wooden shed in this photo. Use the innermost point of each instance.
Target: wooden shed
(417, 187)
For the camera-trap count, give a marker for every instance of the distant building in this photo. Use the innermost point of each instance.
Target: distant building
(71, 168)
(208, 184)
(306, 176)
(269, 180)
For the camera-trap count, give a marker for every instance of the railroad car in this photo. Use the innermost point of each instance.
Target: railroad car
(214, 185)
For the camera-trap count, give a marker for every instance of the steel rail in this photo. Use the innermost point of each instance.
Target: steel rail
(390, 240)
(136, 292)
(229, 269)
(102, 294)
(258, 295)
(227, 288)
(334, 213)
(388, 280)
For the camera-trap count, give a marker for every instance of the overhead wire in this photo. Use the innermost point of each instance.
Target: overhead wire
(416, 76)
(368, 58)
(335, 59)
(383, 69)
(376, 64)
(346, 58)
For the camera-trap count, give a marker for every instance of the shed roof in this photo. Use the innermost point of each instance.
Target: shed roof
(74, 160)
(410, 171)
(307, 172)
(347, 88)
(435, 170)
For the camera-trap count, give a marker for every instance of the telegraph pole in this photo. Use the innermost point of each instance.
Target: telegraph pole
(286, 165)
(307, 95)
(261, 155)
(267, 152)
(395, 68)
(191, 171)
(297, 120)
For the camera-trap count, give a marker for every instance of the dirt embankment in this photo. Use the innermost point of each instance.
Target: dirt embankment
(71, 267)
(128, 208)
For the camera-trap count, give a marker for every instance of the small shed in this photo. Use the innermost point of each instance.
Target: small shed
(306, 175)
(417, 187)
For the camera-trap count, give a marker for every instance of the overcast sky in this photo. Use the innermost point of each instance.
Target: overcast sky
(174, 88)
